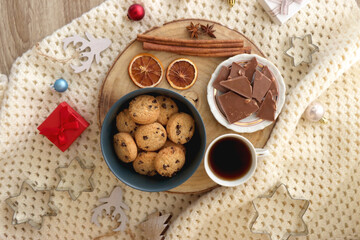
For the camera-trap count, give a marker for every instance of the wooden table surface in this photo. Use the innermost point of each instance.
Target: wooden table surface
(25, 22)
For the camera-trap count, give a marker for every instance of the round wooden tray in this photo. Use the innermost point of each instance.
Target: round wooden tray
(117, 83)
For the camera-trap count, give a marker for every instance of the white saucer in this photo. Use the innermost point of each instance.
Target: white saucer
(251, 123)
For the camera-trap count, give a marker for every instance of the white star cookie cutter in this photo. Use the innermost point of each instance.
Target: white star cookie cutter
(80, 178)
(304, 59)
(288, 233)
(26, 210)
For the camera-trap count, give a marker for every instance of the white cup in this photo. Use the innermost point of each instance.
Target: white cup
(255, 153)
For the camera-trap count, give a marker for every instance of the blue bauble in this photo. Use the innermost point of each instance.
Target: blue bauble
(60, 85)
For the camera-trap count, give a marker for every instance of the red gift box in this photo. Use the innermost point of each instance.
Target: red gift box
(63, 126)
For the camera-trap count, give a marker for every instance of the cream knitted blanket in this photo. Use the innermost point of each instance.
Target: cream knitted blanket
(317, 161)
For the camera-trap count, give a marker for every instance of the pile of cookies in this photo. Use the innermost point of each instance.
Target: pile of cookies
(151, 135)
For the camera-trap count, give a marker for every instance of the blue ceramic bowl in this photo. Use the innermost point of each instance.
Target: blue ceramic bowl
(195, 148)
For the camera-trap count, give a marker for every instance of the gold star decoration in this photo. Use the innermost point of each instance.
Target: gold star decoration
(31, 205)
(301, 50)
(75, 178)
(279, 215)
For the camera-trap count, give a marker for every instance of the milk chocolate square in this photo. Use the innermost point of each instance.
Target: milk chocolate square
(250, 68)
(268, 108)
(222, 76)
(261, 86)
(239, 85)
(236, 70)
(236, 107)
(273, 87)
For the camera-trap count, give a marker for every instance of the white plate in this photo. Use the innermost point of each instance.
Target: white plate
(251, 123)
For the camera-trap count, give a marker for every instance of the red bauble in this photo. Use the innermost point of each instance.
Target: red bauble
(136, 12)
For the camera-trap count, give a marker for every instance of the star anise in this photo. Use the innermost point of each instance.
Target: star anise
(208, 29)
(194, 30)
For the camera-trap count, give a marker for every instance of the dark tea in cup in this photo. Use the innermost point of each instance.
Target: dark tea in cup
(230, 158)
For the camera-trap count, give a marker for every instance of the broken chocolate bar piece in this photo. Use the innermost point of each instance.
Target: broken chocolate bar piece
(250, 68)
(223, 75)
(261, 86)
(239, 85)
(273, 87)
(236, 70)
(268, 108)
(236, 107)
(218, 104)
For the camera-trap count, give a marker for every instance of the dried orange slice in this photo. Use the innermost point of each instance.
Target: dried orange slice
(145, 70)
(181, 74)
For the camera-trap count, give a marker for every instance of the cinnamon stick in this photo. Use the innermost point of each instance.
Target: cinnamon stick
(225, 43)
(164, 47)
(223, 54)
(193, 51)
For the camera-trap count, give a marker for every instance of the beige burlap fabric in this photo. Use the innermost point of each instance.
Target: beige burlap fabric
(317, 161)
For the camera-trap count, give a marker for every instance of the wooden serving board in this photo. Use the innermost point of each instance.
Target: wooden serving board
(117, 83)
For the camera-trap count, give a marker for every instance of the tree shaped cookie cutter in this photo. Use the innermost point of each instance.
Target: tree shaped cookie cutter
(288, 233)
(73, 192)
(308, 38)
(29, 218)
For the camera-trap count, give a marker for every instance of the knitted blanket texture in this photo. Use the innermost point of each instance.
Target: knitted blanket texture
(318, 162)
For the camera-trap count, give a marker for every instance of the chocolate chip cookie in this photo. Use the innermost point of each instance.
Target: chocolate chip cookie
(180, 128)
(125, 147)
(150, 137)
(145, 163)
(167, 108)
(124, 122)
(169, 143)
(169, 160)
(144, 109)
